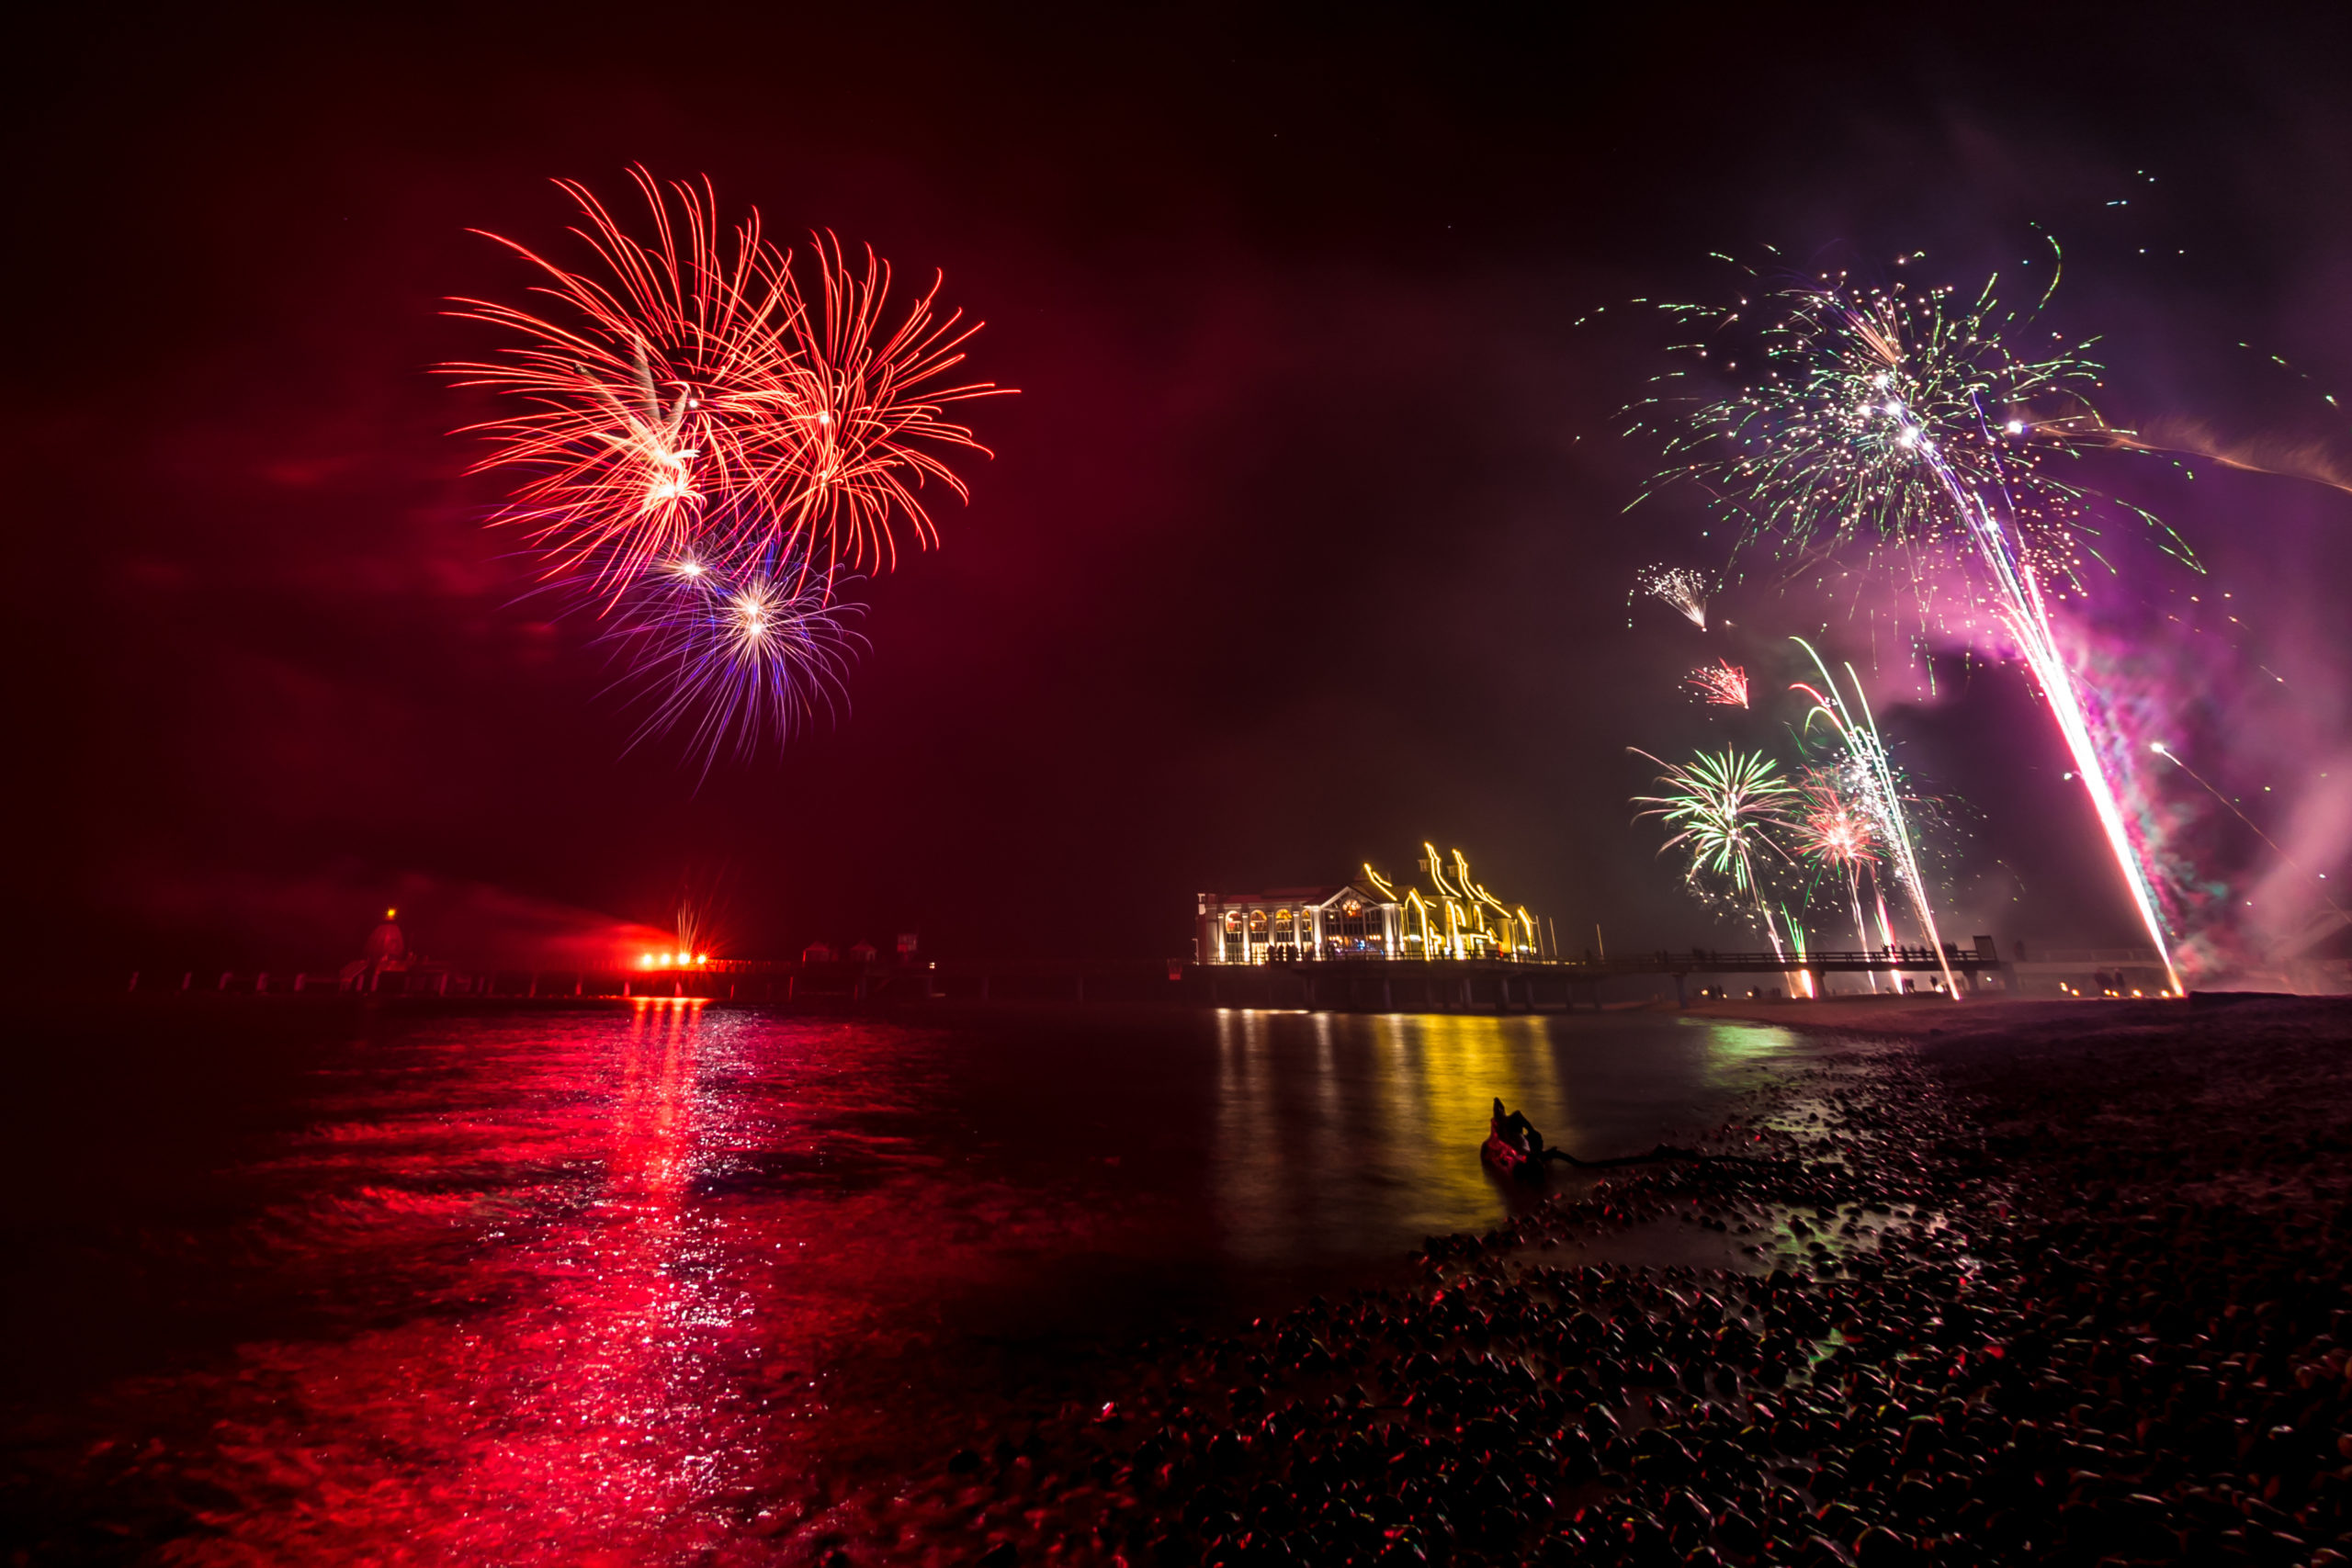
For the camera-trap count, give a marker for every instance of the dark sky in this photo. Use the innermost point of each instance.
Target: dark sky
(1303, 540)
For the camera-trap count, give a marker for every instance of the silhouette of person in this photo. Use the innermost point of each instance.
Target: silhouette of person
(1512, 1127)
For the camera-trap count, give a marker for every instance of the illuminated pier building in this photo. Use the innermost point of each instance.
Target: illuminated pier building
(1368, 917)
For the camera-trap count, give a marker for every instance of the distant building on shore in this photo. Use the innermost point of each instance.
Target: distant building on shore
(1367, 917)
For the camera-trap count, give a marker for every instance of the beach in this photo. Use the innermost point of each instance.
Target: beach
(669, 1283)
(2028, 1283)
(1947, 1284)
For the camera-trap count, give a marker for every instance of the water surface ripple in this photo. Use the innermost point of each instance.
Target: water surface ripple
(591, 1286)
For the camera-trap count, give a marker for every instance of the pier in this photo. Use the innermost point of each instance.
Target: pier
(1369, 984)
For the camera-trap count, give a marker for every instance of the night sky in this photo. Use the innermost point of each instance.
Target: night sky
(1304, 539)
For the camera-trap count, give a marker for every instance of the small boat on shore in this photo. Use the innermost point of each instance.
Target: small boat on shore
(1507, 1158)
(1513, 1146)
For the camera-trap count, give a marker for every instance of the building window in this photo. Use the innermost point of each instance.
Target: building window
(1353, 929)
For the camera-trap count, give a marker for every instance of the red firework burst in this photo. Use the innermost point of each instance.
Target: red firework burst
(863, 421)
(686, 400)
(1832, 831)
(1722, 682)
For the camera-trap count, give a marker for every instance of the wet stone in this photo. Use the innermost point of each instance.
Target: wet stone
(2039, 1316)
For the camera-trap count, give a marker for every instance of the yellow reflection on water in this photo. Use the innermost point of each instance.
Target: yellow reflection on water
(1445, 1071)
(1365, 1120)
(1336, 1133)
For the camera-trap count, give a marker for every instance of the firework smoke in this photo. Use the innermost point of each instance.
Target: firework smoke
(2169, 755)
(1903, 419)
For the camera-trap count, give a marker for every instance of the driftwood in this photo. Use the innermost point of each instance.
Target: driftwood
(1662, 1152)
(1513, 1128)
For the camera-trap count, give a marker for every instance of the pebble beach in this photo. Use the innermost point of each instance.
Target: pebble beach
(2003, 1282)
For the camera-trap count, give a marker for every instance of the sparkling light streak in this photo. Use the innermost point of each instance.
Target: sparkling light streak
(1677, 586)
(1722, 682)
(1722, 809)
(1903, 419)
(1834, 831)
(695, 407)
(742, 659)
(1867, 776)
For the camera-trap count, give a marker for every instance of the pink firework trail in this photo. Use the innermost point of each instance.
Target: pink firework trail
(1722, 683)
(1834, 833)
(1901, 418)
(1868, 776)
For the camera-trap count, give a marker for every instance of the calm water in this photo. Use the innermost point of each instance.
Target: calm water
(582, 1286)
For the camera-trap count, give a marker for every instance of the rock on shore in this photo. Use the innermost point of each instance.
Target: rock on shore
(2024, 1284)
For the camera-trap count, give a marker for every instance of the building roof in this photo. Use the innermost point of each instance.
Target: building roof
(1300, 895)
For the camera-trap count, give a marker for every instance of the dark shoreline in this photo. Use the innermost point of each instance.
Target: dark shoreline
(2076, 1292)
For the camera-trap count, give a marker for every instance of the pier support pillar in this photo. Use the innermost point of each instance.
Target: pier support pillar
(1680, 1000)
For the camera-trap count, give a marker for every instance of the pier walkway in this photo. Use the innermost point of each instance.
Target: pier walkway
(1356, 985)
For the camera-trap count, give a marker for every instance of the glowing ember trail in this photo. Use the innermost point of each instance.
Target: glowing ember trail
(1722, 682)
(745, 659)
(708, 450)
(2028, 621)
(1834, 833)
(1722, 808)
(1678, 586)
(1868, 777)
(1899, 415)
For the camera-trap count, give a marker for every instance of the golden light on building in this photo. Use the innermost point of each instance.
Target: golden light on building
(1455, 918)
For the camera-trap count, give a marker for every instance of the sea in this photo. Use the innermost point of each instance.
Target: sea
(571, 1284)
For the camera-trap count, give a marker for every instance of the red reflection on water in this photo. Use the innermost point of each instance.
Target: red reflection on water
(622, 1362)
(675, 1285)
(560, 1407)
